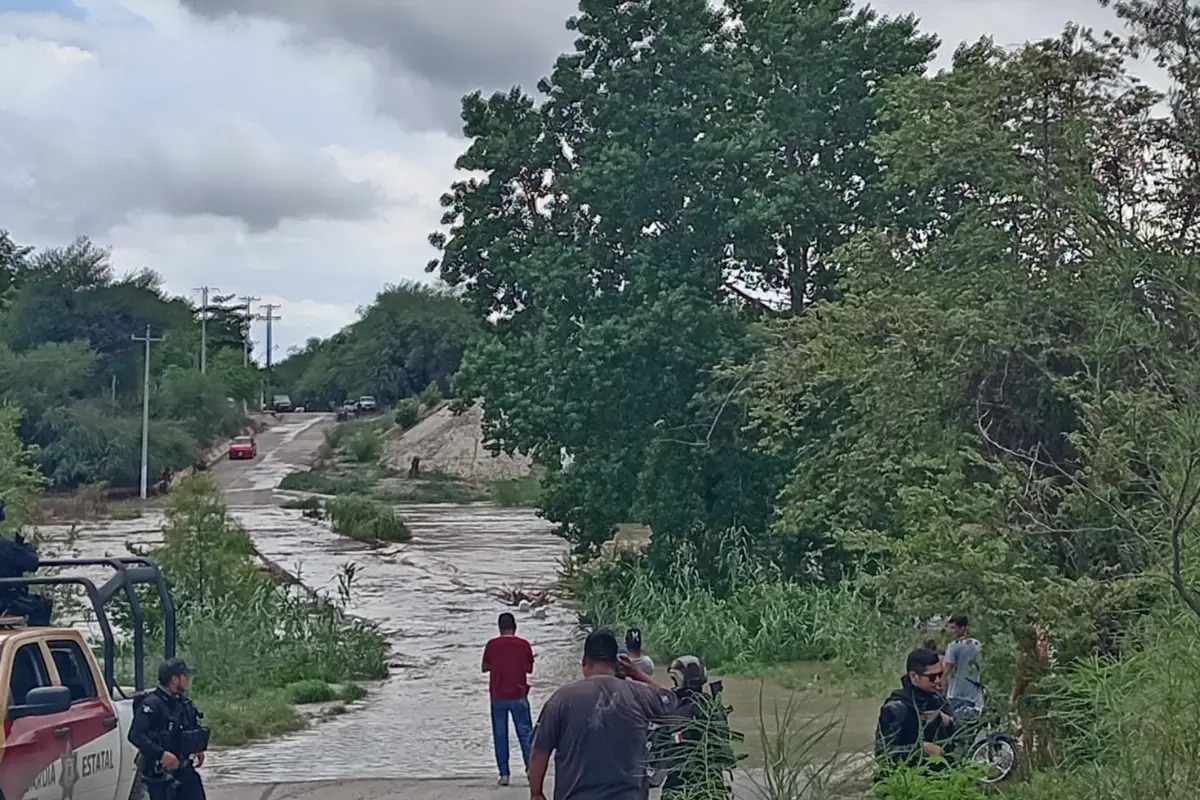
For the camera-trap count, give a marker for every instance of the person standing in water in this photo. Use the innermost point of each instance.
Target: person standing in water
(633, 649)
(508, 660)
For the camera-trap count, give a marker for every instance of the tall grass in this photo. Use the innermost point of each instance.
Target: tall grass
(249, 638)
(1127, 728)
(516, 492)
(366, 520)
(757, 619)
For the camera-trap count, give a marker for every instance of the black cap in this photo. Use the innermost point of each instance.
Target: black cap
(600, 647)
(633, 639)
(172, 667)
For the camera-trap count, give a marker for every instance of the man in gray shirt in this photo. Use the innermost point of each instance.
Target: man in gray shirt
(597, 728)
(964, 668)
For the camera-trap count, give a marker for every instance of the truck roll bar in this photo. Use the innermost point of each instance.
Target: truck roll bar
(129, 571)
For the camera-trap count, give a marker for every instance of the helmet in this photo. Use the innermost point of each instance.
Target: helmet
(688, 672)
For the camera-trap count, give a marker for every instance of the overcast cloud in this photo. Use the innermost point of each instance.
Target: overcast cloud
(289, 149)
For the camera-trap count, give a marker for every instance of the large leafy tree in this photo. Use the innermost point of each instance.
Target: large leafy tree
(1010, 377)
(617, 236)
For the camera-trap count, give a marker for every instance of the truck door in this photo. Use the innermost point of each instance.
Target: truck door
(95, 740)
(33, 746)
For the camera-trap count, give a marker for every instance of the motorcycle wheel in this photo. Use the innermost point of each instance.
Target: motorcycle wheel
(997, 753)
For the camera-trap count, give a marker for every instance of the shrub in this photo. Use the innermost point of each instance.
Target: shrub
(431, 396)
(364, 446)
(366, 520)
(516, 492)
(408, 411)
(250, 638)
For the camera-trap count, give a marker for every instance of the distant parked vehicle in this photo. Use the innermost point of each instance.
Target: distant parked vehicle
(243, 447)
(366, 404)
(281, 403)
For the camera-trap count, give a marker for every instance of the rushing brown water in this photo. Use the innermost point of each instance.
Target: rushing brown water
(432, 597)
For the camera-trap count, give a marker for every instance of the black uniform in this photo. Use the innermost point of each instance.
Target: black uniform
(166, 722)
(909, 717)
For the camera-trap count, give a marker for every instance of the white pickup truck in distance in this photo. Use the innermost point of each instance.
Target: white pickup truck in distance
(66, 721)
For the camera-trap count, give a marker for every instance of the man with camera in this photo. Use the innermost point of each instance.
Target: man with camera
(597, 728)
(169, 737)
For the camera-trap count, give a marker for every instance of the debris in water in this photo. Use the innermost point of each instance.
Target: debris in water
(523, 598)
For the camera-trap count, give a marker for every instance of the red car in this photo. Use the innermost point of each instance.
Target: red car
(243, 447)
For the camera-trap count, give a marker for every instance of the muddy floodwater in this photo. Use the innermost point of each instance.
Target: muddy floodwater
(432, 598)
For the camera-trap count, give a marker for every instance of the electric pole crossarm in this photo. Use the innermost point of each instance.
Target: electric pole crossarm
(146, 407)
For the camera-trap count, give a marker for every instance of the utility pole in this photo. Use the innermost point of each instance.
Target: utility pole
(269, 317)
(204, 290)
(246, 301)
(146, 408)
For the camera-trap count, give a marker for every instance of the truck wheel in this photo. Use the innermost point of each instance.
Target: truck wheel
(138, 790)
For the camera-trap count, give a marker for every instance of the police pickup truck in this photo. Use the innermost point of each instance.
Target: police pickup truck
(66, 722)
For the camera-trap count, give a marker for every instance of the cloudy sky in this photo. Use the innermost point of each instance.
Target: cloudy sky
(290, 149)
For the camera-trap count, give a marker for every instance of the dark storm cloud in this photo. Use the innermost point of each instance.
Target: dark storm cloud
(428, 52)
(69, 181)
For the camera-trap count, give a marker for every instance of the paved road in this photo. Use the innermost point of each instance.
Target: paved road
(288, 445)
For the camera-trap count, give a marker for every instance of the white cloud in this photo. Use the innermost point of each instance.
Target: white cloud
(295, 152)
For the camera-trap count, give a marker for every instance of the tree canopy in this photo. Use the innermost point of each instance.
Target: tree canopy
(412, 336)
(71, 372)
(621, 232)
(754, 266)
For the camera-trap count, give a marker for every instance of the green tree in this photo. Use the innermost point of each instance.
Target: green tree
(411, 336)
(624, 224)
(18, 473)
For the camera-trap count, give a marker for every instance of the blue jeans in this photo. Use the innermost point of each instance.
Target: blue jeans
(522, 720)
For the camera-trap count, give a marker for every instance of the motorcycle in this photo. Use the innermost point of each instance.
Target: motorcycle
(980, 738)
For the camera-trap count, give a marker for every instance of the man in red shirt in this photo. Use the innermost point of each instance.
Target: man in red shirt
(508, 660)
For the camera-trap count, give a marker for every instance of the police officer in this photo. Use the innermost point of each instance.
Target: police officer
(169, 737)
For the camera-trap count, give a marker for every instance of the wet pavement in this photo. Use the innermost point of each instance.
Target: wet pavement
(432, 597)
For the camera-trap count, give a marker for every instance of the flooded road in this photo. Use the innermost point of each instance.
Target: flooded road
(431, 596)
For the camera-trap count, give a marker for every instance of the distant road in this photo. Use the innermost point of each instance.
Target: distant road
(287, 446)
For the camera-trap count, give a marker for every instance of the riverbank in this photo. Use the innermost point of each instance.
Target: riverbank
(374, 457)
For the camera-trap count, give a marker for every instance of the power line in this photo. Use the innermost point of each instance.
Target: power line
(146, 407)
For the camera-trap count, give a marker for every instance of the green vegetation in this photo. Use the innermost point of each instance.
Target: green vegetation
(67, 362)
(409, 340)
(407, 412)
(260, 648)
(972, 386)
(366, 520)
(516, 492)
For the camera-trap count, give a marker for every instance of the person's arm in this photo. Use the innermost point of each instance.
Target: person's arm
(529, 663)
(952, 657)
(539, 764)
(142, 734)
(545, 740)
(890, 734)
(487, 660)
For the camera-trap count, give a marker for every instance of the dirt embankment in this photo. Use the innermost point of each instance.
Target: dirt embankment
(452, 444)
